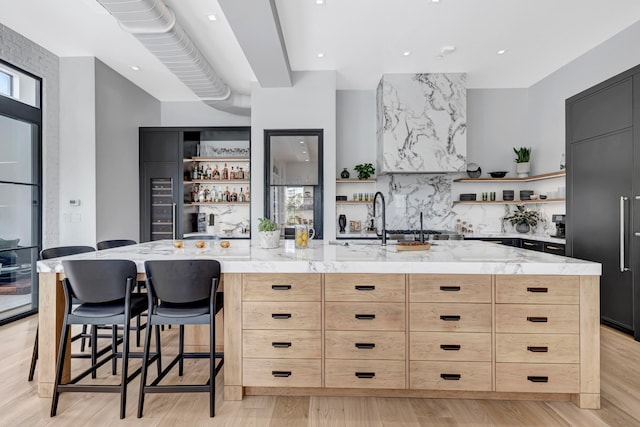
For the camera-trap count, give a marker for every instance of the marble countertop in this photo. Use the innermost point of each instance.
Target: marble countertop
(444, 257)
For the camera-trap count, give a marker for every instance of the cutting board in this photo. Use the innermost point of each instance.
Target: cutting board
(413, 246)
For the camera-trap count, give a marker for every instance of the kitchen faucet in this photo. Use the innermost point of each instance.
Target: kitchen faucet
(384, 227)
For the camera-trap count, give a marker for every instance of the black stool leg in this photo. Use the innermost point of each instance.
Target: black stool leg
(125, 366)
(94, 348)
(60, 365)
(212, 366)
(83, 339)
(114, 346)
(145, 364)
(158, 350)
(181, 351)
(34, 357)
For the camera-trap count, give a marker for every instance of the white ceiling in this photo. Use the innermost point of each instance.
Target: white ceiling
(360, 39)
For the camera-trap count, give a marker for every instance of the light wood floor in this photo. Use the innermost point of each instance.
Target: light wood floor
(20, 406)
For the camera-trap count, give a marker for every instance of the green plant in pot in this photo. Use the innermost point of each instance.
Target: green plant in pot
(523, 157)
(365, 170)
(269, 233)
(524, 219)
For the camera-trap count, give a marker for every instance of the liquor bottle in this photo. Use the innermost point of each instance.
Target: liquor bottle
(216, 172)
(194, 172)
(214, 194)
(227, 195)
(240, 174)
(234, 196)
(225, 172)
(241, 196)
(233, 174)
(208, 172)
(246, 173)
(247, 195)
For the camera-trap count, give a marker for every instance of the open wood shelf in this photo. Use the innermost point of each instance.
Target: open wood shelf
(217, 159)
(505, 202)
(543, 176)
(354, 180)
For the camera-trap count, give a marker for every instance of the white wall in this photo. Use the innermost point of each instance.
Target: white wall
(121, 108)
(355, 129)
(198, 113)
(309, 104)
(77, 151)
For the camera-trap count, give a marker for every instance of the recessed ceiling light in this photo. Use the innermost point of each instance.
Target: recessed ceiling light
(406, 53)
(447, 50)
(301, 142)
(135, 68)
(502, 51)
(319, 2)
(212, 17)
(320, 55)
(435, 1)
(306, 160)
(304, 152)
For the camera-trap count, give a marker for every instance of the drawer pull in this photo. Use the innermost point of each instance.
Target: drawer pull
(365, 374)
(538, 379)
(450, 347)
(365, 346)
(281, 287)
(448, 318)
(281, 344)
(450, 288)
(534, 349)
(538, 290)
(554, 248)
(451, 377)
(528, 244)
(365, 288)
(365, 316)
(281, 315)
(536, 319)
(281, 374)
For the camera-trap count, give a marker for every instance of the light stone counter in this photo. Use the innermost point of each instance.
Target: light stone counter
(444, 257)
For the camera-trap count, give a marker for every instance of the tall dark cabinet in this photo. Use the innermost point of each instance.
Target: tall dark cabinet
(603, 192)
(176, 202)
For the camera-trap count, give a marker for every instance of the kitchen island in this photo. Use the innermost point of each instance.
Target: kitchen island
(464, 319)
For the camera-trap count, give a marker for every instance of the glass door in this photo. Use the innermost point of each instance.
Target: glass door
(19, 217)
(20, 191)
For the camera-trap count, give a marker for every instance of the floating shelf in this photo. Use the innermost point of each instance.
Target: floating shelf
(550, 175)
(353, 202)
(217, 159)
(354, 180)
(505, 202)
(217, 181)
(215, 203)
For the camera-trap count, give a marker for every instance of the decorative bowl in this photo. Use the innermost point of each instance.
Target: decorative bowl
(473, 170)
(225, 244)
(533, 197)
(201, 244)
(178, 243)
(498, 174)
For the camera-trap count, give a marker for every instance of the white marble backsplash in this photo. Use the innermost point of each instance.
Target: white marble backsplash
(421, 123)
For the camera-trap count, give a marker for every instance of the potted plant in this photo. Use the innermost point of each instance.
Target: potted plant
(269, 233)
(524, 219)
(365, 170)
(523, 156)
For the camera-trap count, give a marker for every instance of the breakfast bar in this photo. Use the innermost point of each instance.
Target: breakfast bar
(466, 319)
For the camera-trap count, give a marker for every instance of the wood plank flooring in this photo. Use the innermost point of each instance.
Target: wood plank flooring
(20, 406)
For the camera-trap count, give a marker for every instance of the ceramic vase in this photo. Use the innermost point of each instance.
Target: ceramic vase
(269, 239)
(523, 228)
(344, 174)
(342, 222)
(523, 169)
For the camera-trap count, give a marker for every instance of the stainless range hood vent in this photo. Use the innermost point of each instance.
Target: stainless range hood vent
(155, 26)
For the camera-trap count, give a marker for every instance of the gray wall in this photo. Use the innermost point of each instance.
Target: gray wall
(23, 53)
(309, 104)
(198, 113)
(121, 108)
(355, 129)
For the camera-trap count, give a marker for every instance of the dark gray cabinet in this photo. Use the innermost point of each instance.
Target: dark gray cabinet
(534, 245)
(602, 186)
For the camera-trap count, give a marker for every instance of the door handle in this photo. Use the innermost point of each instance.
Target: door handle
(623, 267)
(173, 221)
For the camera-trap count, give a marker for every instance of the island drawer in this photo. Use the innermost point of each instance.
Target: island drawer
(538, 289)
(449, 288)
(535, 318)
(365, 373)
(282, 372)
(364, 316)
(473, 376)
(281, 287)
(537, 377)
(281, 315)
(450, 346)
(365, 345)
(364, 287)
(279, 344)
(447, 317)
(538, 348)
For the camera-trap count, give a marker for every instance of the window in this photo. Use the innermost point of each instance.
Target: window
(6, 83)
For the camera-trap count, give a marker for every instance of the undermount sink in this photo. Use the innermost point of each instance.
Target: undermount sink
(355, 242)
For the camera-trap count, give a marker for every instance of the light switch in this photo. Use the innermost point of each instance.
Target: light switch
(74, 202)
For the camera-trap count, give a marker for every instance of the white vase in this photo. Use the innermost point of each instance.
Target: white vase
(269, 239)
(523, 169)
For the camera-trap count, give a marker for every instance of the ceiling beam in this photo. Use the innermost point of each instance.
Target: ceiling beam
(256, 25)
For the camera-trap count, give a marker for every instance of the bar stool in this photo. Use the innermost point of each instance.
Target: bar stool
(55, 253)
(182, 292)
(104, 288)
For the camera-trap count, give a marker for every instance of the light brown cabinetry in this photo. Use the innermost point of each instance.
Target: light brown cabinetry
(365, 317)
(450, 326)
(281, 322)
(537, 334)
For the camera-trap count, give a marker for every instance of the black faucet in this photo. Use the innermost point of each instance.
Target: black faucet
(421, 229)
(384, 227)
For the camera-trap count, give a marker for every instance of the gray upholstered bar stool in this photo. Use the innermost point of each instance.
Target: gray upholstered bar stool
(182, 292)
(104, 289)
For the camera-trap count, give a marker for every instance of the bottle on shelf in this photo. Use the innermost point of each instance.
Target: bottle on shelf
(246, 173)
(216, 173)
(234, 196)
(225, 172)
(208, 172)
(246, 195)
(227, 195)
(240, 174)
(241, 196)
(194, 172)
(214, 194)
(233, 174)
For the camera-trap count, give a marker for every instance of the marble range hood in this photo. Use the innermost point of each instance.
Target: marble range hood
(421, 123)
